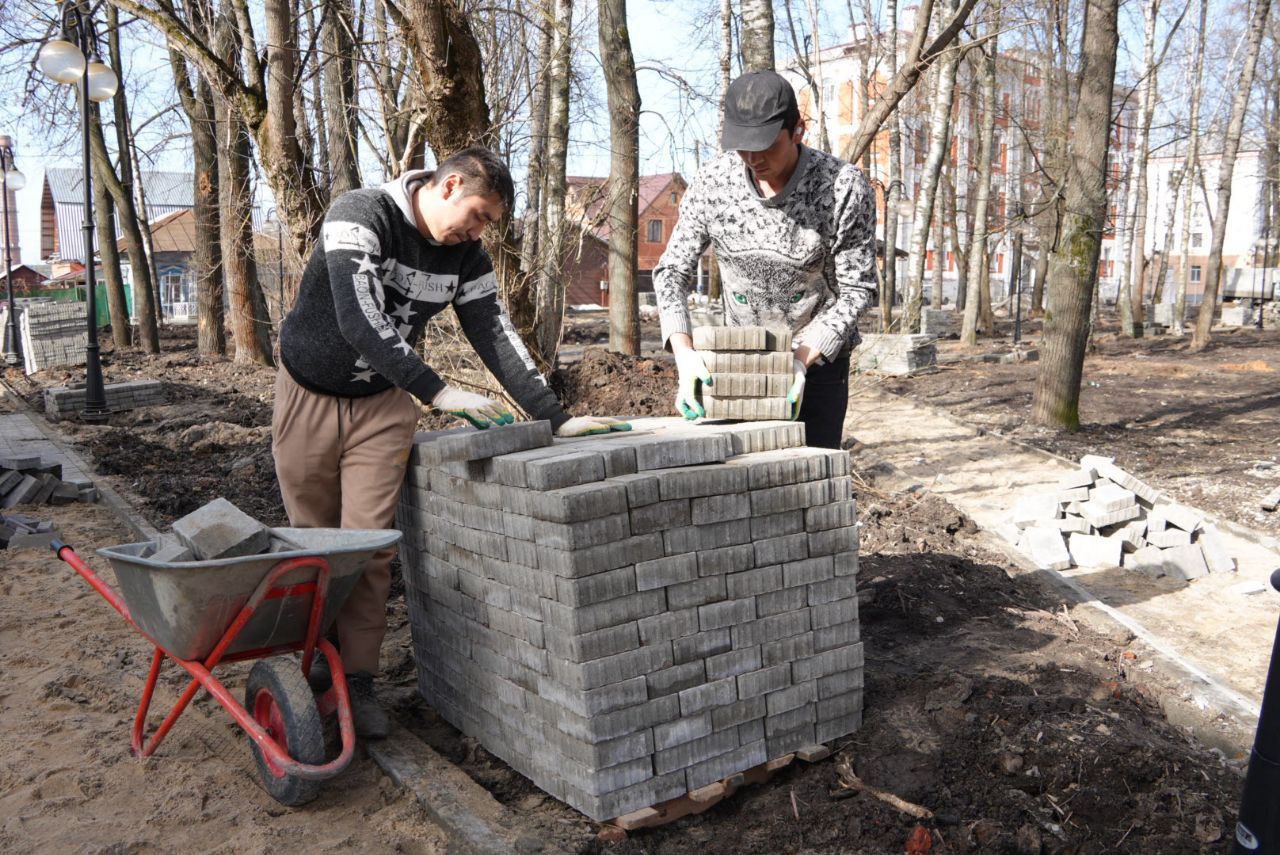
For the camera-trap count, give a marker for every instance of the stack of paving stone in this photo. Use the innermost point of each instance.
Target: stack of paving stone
(1238, 315)
(215, 530)
(30, 481)
(751, 369)
(62, 401)
(625, 619)
(1101, 516)
(893, 353)
(19, 531)
(53, 334)
(938, 323)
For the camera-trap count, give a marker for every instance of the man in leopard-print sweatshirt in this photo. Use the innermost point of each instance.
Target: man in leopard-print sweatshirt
(794, 234)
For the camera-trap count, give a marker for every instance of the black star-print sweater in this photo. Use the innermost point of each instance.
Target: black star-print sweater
(803, 259)
(369, 289)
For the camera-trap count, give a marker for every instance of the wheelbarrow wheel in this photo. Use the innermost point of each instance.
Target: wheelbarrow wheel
(280, 701)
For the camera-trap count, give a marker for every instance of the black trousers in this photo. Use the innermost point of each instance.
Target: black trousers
(826, 399)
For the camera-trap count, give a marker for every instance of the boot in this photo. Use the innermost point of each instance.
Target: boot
(370, 718)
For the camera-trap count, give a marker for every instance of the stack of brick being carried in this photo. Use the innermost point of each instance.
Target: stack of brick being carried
(751, 370)
(1101, 516)
(626, 619)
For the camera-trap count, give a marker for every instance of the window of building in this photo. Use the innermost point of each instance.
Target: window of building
(1197, 240)
(1195, 273)
(674, 197)
(654, 231)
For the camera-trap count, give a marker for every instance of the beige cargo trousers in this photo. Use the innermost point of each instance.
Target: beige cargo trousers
(341, 463)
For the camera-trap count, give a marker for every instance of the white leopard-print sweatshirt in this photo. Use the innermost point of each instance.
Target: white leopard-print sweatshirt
(803, 259)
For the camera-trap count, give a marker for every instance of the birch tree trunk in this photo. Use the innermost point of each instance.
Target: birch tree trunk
(1134, 234)
(726, 65)
(1191, 166)
(939, 259)
(535, 206)
(757, 35)
(550, 300)
(1226, 171)
(939, 125)
(624, 174)
(1073, 267)
(977, 247)
(1161, 267)
(889, 282)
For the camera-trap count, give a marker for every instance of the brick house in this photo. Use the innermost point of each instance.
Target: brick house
(587, 266)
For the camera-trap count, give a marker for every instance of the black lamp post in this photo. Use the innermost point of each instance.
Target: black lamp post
(1015, 270)
(10, 179)
(65, 61)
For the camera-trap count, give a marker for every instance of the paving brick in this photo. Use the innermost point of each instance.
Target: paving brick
(1184, 562)
(715, 693)
(594, 645)
(838, 588)
(602, 755)
(777, 525)
(588, 533)
(846, 563)
(784, 466)
(583, 619)
(748, 363)
(682, 730)
(808, 571)
(687, 754)
(836, 635)
(837, 727)
(786, 649)
(596, 588)
(1088, 550)
(479, 444)
(709, 771)
(612, 669)
(790, 497)
(830, 662)
(596, 559)
(600, 727)
(777, 550)
(733, 663)
(671, 570)
(564, 471)
(694, 481)
(701, 645)
(840, 705)
(771, 628)
(730, 385)
(714, 509)
(840, 683)
(738, 713)
(1216, 555)
(675, 623)
(763, 681)
(641, 487)
(660, 453)
(795, 713)
(791, 742)
(833, 540)
(780, 602)
(669, 681)
(748, 583)
(751, 731)
(722, 339)
(660, 516)
(610, 698)
(580, 502)
(701, 537)
(1046, 548)
(727, 613)
(834, 515)
(726, 559)
(221, 530)
(707, 589)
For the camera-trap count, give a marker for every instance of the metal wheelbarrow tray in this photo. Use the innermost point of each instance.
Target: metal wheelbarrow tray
(202, 613)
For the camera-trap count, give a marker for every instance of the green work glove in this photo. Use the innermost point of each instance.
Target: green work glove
(588, 425)
(692, 371)
(795, 395)
(477, 409)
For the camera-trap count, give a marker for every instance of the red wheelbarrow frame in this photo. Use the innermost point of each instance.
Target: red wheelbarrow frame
(336, 698)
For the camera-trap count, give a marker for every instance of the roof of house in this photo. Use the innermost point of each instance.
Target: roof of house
(42, 270)
(589, 190)
(163, 190)
(173, 232)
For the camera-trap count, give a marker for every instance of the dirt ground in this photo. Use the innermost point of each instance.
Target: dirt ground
(986, 702)
(1205, 427)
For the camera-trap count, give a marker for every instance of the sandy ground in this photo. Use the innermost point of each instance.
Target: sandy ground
(72, 673)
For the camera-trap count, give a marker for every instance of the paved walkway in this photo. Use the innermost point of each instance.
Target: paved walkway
(1218, 633)
(21, 437)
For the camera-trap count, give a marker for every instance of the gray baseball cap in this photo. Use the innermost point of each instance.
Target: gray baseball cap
(755, 106)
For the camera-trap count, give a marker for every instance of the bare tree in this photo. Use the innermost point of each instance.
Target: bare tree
(1190, 168)
(1226, 171)
(1073, 267)
(624, 174)
(104, 214)
(978, 246)
(757, 35)
(340, 95)
(550, 301)
(889, 281)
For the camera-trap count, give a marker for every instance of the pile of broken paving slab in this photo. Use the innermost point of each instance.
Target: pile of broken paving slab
(1101, 516)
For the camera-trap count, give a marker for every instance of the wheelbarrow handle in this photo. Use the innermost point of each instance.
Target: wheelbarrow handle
(67, 554)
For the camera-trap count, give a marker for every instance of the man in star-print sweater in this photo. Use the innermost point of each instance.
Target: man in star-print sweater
(389, 259)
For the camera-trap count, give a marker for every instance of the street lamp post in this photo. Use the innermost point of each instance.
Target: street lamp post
(1015, 271)
(10, 179)
(77, 62)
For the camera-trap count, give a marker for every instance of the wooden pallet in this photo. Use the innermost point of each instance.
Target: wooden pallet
(704, 798)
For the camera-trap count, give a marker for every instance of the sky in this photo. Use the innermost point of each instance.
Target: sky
(665, 38)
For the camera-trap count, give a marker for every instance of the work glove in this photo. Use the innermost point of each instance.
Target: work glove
(692, 369)
(588, 425)
(795, 395)
(477, 409)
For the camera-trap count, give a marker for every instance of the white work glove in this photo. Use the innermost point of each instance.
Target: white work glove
(795, 395)
(477, 409)
(692, 370)
(587, 425)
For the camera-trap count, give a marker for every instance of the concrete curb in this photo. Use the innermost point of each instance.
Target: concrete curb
(474, 820)
(142, 530)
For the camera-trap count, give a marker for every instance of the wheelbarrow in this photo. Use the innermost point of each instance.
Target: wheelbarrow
(204, 613)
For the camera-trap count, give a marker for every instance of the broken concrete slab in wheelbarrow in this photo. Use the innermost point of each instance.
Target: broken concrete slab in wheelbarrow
(473, 819)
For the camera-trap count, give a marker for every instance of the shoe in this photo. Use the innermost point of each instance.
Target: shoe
(370, 718)
(320, 678)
